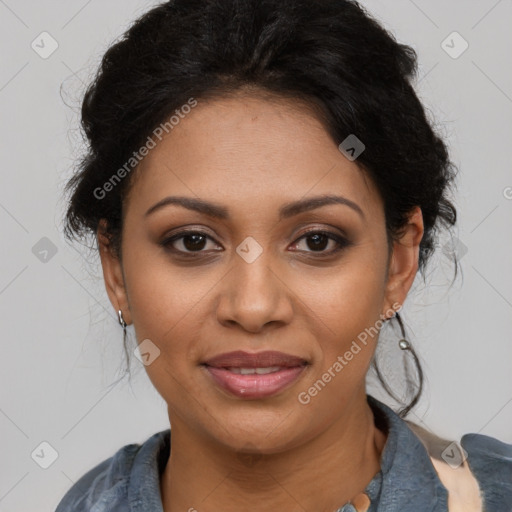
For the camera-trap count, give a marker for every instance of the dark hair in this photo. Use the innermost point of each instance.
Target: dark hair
(330, 53)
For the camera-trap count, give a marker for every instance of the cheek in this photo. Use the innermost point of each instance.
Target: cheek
(344, 313)
(167, 305)
(347, 298)
(347, 321)
(171, 305)
(164, 298)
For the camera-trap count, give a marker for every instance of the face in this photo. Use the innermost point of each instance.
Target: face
(262, 268)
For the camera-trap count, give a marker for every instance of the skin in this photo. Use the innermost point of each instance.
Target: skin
(252, 154)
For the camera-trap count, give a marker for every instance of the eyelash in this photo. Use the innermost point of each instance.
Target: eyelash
(343, 243)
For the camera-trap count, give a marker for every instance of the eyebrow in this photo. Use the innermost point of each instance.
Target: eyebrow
(287, 210)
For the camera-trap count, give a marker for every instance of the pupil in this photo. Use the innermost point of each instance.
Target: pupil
(316, 245)
(194, 245)
(198, 242)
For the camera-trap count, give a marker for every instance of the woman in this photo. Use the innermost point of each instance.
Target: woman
(264, 186)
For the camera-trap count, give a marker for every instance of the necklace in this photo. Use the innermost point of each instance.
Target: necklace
(361, 503)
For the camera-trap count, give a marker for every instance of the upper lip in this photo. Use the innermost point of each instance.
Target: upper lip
(241, 359)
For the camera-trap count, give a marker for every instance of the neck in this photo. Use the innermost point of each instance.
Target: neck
(337, 464)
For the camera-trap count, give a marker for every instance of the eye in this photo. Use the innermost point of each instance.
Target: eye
(190, 242)
(320, 239)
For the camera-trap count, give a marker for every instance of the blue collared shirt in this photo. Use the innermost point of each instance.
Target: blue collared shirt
(129, 481)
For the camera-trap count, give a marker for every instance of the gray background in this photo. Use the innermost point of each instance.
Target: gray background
(62, 346)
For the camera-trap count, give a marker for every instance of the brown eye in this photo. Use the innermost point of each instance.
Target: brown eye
(187, 242)
(318, 241)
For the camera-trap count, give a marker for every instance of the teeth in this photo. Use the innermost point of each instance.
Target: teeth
(270, 369)
(251, 371)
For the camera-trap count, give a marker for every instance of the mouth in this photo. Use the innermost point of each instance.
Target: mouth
(255, 375)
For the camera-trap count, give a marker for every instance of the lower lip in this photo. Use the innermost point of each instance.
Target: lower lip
(255, 386)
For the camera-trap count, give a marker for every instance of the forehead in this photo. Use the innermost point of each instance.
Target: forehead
(250, 150)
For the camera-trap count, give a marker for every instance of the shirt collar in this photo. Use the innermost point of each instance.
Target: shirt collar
(407, 479)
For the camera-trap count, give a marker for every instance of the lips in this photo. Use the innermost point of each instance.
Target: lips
(240, 359)
(254, 375)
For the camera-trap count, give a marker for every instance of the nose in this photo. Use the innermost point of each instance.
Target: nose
(254, 294)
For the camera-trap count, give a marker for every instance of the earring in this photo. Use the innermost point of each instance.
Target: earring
(123, 325)
(121, 320)
(402, 343)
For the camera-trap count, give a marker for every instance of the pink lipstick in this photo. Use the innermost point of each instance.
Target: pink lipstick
(255, 375)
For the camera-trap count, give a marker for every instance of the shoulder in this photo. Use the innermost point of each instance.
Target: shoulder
(105, 482)
(490, 461)
(477, 471)
(107, 485)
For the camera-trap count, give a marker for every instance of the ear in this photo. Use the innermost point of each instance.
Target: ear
(404, 261)
(112, 273)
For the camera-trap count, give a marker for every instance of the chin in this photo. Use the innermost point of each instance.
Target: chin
(256, 430)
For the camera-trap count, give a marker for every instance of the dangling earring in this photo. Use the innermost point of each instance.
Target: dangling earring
(123, 325)
(121, 320)
(402, 343)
